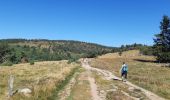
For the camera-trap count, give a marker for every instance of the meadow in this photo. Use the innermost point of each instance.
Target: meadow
(143, 71)
(45, 79)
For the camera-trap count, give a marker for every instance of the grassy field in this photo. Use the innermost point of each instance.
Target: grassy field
(42, 78)
(142, 70)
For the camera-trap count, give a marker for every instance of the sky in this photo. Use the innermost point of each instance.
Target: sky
(106, 22)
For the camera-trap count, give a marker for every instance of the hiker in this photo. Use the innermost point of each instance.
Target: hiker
(124, 71)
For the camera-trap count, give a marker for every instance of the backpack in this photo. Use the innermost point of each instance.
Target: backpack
(125, 68)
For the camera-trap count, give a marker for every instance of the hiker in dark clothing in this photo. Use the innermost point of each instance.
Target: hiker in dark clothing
(124, 72)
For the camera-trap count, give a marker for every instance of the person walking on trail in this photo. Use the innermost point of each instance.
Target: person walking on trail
(124, 71)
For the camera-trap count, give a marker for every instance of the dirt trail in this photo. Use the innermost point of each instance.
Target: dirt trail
(93, 85)
(109, 76)
(94, 91)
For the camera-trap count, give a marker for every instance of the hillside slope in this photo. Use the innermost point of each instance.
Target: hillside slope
(50, 50)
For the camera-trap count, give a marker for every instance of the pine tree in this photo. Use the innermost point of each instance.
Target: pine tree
(4, 50)
(162, 41)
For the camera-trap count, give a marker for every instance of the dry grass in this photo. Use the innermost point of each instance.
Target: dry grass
(42, 78)
(113, 89)
(81, 90)
(106, 87)
(142, 70)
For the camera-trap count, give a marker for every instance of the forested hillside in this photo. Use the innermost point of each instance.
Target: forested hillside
(22, 50)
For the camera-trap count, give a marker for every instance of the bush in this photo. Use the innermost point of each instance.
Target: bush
(146, 50)
(164, 57)
(92, 55)
(32, 62)
(7, 63)
(73, 59)
(120, 53)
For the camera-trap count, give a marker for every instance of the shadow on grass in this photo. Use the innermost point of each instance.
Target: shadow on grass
(142, 60)
(154, 61)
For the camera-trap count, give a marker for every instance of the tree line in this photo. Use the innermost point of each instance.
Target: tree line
(144, 49)
(13, 51)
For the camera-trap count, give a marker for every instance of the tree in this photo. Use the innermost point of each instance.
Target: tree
(4, 50)
(162, 41)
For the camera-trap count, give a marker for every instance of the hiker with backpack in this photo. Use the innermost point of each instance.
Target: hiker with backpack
(124, 71)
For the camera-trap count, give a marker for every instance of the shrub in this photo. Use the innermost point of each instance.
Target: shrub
(32, 62)
(73, 59)
(120, 53)
(146, 50)
(7, 63)
(92, 55)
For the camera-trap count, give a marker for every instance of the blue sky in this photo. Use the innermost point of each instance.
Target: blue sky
(107, 22)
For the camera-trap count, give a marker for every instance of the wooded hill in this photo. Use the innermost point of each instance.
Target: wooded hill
(22, 50)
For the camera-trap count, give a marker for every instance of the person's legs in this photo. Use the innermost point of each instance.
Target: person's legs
(123, 76)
